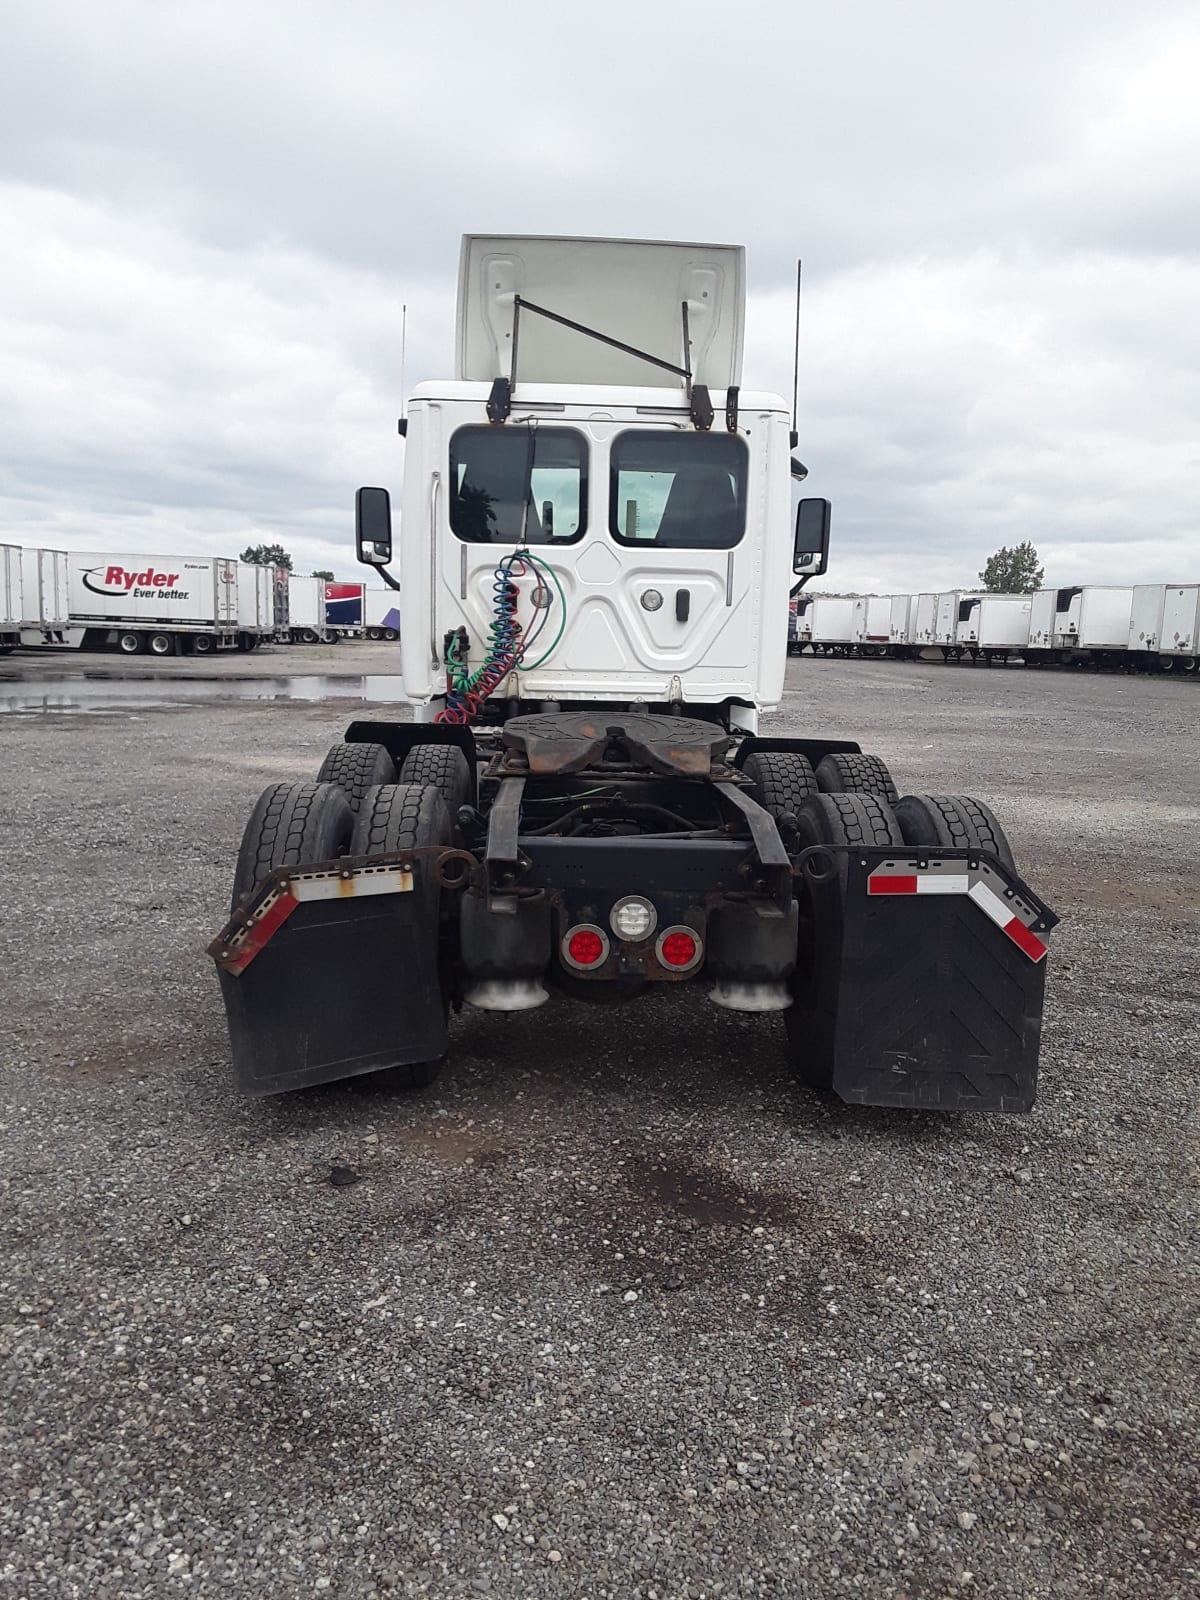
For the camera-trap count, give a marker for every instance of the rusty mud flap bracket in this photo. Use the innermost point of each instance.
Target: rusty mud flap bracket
(331, 969)
(926, 978)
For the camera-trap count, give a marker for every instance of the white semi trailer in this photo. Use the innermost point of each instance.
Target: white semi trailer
(163, 604)
(44, 597)
(993, 626)
(306, 609)
(1180, 641)
(599, 535)
(255, 604)
(11, 597)
(826, 622)
(871, 624)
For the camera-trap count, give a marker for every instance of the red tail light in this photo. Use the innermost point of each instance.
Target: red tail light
(679, 948)
(585, 946)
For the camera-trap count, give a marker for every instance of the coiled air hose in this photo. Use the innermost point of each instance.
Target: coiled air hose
(507, 644)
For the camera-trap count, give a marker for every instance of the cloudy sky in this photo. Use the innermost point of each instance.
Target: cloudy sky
(211, 214)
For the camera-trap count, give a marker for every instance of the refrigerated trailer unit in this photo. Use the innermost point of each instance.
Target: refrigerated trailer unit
(829, 623)
(11, 602)
(1093, 621)
(1179, 646)
(994, 626)
(871, 624)
(162, 604)
(580, 802)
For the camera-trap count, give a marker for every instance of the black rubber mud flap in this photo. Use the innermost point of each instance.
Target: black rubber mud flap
(923, 1000)
(343, 987)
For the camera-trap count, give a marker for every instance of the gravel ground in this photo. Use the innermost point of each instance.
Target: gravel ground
(616, 1309)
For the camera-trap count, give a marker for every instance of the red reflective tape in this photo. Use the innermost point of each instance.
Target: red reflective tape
(892, 883)
(1029, 942)
(258, 933)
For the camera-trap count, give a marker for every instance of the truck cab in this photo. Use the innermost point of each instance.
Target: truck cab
(660, 530)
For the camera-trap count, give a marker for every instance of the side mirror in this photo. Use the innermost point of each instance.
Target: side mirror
(810, 553)
(373, 526)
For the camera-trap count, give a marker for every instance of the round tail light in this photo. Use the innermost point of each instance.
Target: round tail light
(679, 949)
(585, 946)
(633, 918)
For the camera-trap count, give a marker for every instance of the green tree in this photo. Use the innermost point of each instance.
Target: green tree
(322, 573)
(267, 555)
(1014, 571)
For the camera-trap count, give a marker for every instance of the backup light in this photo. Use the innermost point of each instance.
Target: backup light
(633, 918)
(679, 948)
(585, 946)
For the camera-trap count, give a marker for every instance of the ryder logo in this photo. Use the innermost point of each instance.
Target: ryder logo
(113, 580)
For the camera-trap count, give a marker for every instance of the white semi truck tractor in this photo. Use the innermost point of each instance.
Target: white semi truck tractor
(599, 533)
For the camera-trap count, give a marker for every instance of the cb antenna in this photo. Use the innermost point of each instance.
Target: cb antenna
(402, 425)
(796, 362)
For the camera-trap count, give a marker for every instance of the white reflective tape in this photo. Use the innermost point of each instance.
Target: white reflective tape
(1000, 911)
(943, 883)
(388, 880)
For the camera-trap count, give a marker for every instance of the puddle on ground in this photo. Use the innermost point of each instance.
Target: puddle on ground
(99, 693)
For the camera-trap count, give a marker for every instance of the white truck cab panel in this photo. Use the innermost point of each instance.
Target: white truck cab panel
(672, 546)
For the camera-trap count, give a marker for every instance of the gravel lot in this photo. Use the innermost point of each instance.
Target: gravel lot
(616, 1309)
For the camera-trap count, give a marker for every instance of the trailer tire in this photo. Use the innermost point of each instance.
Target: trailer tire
(856, 774)
(161, 644)
(130, 643)
(930, 820)
(442, 767)
(202, 644)
(356, 769)
(782, 779)
(292, 823)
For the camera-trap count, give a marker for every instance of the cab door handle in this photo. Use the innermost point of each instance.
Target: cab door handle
(683, 604)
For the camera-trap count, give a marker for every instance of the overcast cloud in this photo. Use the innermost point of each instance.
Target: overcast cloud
(211, 215)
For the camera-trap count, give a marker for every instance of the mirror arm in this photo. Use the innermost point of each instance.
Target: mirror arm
(391, 582)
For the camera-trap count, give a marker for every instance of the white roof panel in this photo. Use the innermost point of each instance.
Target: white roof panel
(630, 289)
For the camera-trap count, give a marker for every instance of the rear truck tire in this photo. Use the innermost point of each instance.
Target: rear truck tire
(292, 823)
(202, 644)
(782, 779)
(930, 820)
(356, 769)
(130, 643)
(856, 774)
(406, 816)
(161, 644)
(390, 635)
(309, 636)
(811, 1019)
(374, 633)
(442, 767)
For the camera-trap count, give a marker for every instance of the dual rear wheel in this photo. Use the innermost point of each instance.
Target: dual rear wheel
(359, 806)
(849, 800)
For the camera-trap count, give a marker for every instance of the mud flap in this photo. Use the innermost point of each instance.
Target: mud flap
(336, 986)
(928, 982)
